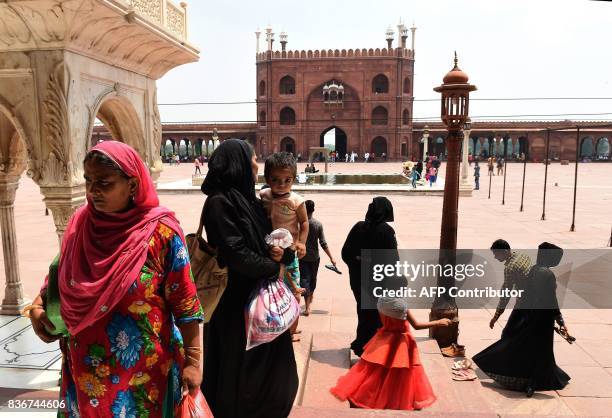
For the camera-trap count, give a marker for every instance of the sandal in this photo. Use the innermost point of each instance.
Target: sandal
(295, 339)
(462, 364)
(464, 375)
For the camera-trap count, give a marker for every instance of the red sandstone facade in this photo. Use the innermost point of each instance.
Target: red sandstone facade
(367, 94)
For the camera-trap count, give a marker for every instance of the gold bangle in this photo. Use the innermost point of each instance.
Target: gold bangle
(26, 311)
(196, 349)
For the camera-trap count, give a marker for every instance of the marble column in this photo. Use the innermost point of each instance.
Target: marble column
(14, 299)
(465, 186)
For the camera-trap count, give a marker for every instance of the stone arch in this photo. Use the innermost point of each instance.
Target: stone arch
(262, 88)
(380, 84)
(602, 149)
(439, 146)
(380, 116)
(406, 87)
(405, 117)
(287, 144)
(586, 147)
(286, 85)
(523, 147)
(379, 146)
(119, 116)
(287, 116)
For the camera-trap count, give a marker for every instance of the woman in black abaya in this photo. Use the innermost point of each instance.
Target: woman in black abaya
(261, 382)
(523, 359)
(372, 234)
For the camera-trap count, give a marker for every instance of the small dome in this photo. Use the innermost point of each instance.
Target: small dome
(333, 85)
(341, 87)
(325, 87)
(455, 76)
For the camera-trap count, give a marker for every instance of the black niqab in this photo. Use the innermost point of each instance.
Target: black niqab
(379, 211)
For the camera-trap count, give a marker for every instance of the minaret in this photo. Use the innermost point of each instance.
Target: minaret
(389, 34)
(269, 37)
(413, 30)
(400, 28)
(283, 41)
(257, 34)
(404, 36)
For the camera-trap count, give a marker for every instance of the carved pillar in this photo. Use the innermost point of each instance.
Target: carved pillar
(13, 300)
(465, 186)
(63, 201)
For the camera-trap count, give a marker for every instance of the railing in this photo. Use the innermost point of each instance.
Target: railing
(164, 13)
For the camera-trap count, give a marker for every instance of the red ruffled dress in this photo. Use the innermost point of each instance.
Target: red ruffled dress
(389, 374)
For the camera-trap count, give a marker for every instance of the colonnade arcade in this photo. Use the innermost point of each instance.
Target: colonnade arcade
(594, 144)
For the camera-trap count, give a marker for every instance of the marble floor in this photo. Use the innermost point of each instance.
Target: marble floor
(29, 369)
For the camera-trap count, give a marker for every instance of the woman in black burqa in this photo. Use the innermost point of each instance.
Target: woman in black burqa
(374, 233)
(263, 381)
(523, 359)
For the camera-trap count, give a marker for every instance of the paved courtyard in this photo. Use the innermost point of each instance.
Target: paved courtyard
(27, 364)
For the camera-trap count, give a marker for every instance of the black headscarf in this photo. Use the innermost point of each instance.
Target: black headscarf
(549, 255)
(229, 168)
(230, 173)
(379, 211)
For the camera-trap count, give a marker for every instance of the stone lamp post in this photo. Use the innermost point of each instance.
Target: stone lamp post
(455, 91)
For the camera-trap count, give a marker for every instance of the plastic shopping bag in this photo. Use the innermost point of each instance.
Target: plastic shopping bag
(271, 311)
(279, 238)
(194, 406)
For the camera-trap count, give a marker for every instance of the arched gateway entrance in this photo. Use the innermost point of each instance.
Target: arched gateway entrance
(334, 139)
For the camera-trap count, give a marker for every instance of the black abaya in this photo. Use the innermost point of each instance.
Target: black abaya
(524, 355)
(373, 233)
(263, 381)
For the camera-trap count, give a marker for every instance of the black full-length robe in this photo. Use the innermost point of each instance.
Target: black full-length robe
(261, 382)
(373, 234)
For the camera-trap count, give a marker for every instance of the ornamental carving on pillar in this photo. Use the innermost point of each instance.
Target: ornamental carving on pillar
(57, 169)
(61, 215)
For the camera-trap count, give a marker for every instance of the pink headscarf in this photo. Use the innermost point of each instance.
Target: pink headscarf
(102, 253)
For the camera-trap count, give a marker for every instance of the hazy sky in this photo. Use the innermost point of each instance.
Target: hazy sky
(509, 48)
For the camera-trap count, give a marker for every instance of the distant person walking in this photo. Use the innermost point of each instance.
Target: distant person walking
(197, 164)
(309, 264)
(433, 172)
(415, 177)
(476, 176)
(490, 166)
(500, 166)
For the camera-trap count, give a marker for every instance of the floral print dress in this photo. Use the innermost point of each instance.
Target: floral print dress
(129, 364)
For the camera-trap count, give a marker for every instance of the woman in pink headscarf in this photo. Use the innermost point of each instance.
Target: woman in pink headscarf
(127, 302)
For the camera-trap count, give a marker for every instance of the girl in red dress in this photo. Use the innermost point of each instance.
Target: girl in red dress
(389, 374)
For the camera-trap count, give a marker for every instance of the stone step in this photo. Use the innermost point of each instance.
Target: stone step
(329, 359)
